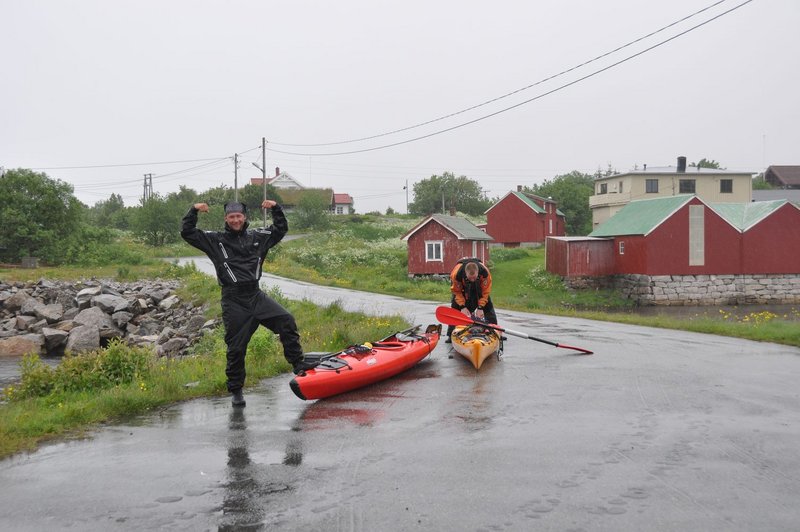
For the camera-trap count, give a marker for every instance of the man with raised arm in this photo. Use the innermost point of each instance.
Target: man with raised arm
(238, 254)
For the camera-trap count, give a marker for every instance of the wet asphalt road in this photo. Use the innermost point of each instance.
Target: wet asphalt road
(659, 430)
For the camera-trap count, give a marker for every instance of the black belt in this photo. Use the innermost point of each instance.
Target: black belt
(241, 288)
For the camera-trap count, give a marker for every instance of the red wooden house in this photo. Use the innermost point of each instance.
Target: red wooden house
(521, 219)
(683, 235)
(438, 241)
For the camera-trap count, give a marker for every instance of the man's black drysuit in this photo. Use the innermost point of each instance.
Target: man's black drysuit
(237, 257)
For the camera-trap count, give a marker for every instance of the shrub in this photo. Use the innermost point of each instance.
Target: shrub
(540, 279)
(115, 365)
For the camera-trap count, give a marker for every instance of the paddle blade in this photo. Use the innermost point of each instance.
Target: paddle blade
(451, 316)
(578, 349)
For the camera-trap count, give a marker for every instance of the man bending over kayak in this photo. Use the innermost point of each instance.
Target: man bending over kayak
(471, 286)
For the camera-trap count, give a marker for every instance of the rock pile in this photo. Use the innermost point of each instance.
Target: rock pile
(51, 317)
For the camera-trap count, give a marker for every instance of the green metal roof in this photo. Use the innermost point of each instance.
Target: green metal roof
(639, 217)
(461, 227)
(529, 201)
(743, 216)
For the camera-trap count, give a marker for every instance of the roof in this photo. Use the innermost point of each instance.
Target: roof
(640, 217)
(529, 200)
(743, 216)
(791, 194)
(690, 171)
(462, 228)
(340, 199)
(788, 175)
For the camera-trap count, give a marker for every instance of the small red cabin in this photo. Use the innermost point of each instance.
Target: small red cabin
(436, 243)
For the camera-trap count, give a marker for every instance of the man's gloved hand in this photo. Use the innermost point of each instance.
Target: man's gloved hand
(465, 311)
(479, 313)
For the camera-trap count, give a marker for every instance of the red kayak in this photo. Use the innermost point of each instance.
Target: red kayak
(360, 365)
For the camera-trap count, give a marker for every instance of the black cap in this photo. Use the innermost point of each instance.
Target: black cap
(235, 206)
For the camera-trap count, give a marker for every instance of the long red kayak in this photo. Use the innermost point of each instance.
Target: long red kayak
(360, 365)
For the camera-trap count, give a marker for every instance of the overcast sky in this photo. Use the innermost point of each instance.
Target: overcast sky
(132, 84)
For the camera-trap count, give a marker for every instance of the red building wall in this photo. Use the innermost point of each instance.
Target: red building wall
(773, 245)
(512, 221)
(453, 250)
(665, 251)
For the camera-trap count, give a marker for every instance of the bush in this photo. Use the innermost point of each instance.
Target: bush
(116, 365)
(540, 279)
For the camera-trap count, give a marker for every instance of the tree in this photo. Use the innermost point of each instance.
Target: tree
(312, 212)
(39, 215)
(571, 191)
(705, 163)
(158, 220)
(107, 213)
(448, 192)
(759, 183)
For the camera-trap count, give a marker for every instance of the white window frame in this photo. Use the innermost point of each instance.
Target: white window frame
(621, 247)
(433, 246)
(651, 186)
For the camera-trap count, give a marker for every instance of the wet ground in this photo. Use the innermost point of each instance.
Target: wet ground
(658, 430)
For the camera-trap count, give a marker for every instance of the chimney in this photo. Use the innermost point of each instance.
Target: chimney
(519, 188)
(681, 164)
(278, 170)
(645, 167)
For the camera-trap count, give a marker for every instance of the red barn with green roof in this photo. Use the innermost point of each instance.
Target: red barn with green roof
(521, 219)
(683, 235)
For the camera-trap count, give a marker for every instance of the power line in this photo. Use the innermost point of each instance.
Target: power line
(487, 102)
(121, 165)
(547, 93)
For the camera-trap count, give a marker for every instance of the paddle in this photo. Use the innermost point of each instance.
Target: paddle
(451, 316)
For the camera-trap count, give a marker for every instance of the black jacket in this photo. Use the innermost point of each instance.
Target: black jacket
(237, 256)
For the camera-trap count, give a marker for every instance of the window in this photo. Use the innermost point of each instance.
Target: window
(603, 188)
(620, 187)
(697, 256)
(726, 186)
(433, 251)
(621, 247)
(686, 186)
(339, 209)
(651, 186)
(551, 227)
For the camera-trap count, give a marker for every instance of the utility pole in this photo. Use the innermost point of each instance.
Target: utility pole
(147, 193)
(235, 177)
(264, 174)
(406, 189)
